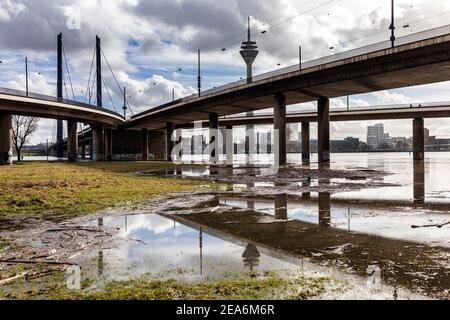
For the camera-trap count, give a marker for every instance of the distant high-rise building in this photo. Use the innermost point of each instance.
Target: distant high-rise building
(375, 136)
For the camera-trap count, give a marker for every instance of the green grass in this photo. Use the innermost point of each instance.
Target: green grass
(68, 189)
(144, 288)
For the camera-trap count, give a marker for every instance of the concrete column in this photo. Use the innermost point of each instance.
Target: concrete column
(306, 156)
(324, 209)
(418, 139)
(279, 124)
(108, 144)
(169, 142)
(269, 142)
(83, 148)
(179, 141)
(144, 144)
(5, 139)
(229, 145)
(72, 141)
(214, 138)
(419, 181)
(281, 206)
(99, 145)
(323, 110)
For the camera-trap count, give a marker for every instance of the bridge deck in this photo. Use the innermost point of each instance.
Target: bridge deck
(418, 59)
(37, 105)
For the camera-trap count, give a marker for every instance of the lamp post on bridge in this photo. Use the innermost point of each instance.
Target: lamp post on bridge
(199, 77)
(392, 26)
(124, 103)
(26, 75)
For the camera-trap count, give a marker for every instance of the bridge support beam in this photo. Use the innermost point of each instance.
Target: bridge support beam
(213, 138)
(108, 144)
(281, 206)
(145, 144)
(169, 142)
(99, 143)
(306, 156)
(83, 148)
(323, 112)
(229, 145)
(324, 209)
(72, 141)
(419, 181)
(279, 124)
(418, 139)
(5, 138)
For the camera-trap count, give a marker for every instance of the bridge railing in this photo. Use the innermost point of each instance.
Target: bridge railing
(419, 36)
(18, 93)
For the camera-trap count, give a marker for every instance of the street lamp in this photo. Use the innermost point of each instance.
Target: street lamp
(199, 77)
(26, 75)
(392, 26)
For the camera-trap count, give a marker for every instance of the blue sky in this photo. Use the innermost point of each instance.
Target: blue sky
(147, 42)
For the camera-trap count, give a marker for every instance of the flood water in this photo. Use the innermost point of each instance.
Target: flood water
(386, 235)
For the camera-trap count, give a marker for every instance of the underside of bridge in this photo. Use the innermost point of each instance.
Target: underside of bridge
(418, 63)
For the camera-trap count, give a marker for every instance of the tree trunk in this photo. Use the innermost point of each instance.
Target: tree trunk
(18, 155)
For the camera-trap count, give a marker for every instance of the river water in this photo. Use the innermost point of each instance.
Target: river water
(384, 235)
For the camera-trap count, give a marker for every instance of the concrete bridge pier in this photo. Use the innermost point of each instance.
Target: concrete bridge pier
(169, 142)
(229, 140)
(306, 157)
(279, 124)
(214, 138)
(418, 139)
(72, 141)
(324, 209)
(99, 143)
(323, 119)
(83, 147)
(108, 144)
(144, 144)
(281, 206)
(5, 138)
(419, 181)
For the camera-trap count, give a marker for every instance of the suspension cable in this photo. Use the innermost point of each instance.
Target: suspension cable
(115, 79)
(107, 90)
(68, 73)
(89, 80)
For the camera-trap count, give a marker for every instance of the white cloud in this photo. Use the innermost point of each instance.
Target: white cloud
(9, 10)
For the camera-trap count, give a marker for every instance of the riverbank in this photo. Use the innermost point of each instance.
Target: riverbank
(62, 190)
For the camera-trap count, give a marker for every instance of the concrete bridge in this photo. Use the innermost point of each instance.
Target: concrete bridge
(417, 59)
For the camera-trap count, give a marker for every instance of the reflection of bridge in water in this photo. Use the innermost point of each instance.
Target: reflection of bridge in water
(403, 263)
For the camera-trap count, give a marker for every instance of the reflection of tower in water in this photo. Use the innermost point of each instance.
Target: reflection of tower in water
(251, 256)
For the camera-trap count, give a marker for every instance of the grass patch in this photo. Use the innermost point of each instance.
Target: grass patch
(145, 288)
(69, 189)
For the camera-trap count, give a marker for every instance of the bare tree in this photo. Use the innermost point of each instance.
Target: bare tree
(23, 128)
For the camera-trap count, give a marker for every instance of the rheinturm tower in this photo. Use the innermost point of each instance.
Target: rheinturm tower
(249, 51)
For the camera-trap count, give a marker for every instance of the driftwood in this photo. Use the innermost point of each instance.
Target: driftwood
(74, 229)
(11, 279)
(431, 225)
(38, 262)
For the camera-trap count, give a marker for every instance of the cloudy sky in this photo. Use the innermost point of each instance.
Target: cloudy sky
(152, 45)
